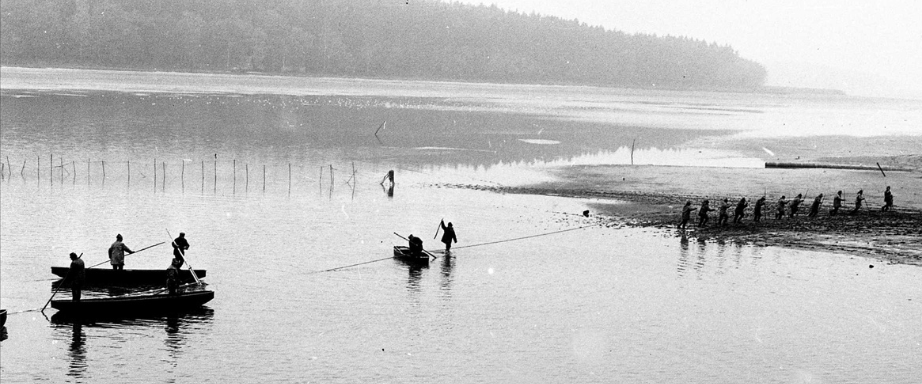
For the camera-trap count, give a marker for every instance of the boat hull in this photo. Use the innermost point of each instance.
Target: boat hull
(404, 254)
(126, 277)
(135, 305)
(2, 317)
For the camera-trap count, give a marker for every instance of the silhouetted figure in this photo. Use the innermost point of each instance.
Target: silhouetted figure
(172, 276)
(740, 210)
(703, 213)
(888, 200)
(722, 213)
(836, 204)
(388, 177)
(757, 210)
(686, 214)
(815, 207)
(416, 245)
(117, 253)
(795, 204)
(859, 199)
(448, 235)
(77, 274)
(180, 245)
(781, 204)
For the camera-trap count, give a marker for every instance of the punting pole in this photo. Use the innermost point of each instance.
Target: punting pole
(147, 247)
(197, 280)
(59, 286)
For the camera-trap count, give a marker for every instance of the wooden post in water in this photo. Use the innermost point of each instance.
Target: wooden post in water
(163, 188)
(73, 165)
(632, 151)
(264, 177)
(246, 167)
(235, 175)
(182, 176)
(9, 166)
(62, 171)
(38, 168)
(22, 172)
(104, 171)
(216, 173)
(51, 168)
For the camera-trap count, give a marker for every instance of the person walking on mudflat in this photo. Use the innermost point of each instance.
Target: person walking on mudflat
(757, 210)
(703, 213)
(781, 203)
(723, 216)
(836, 204)
(888, 200)
(858, 200)
(740, 209)
(815, 208)
(686, 214)
(117, 253)
(795, 205)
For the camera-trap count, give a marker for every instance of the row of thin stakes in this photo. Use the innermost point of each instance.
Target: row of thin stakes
(62, 171)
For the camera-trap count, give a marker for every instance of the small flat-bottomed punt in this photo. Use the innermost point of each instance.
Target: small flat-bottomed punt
(101, 276)
(403, 253)
(134, 305)
(2, 317)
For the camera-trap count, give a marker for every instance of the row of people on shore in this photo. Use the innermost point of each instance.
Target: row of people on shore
(793, 208)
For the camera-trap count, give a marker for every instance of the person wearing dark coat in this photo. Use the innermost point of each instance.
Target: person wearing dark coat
(740, 210)
(703, 213)
(448, 236)
(78, 276)
(815, 208)
(795, 205)
(416, 245)
(888, 200)
(172, 276)
(858, 200)
(722, 213)
(836, 204)
(781, 203)
(757, 210)
(180, 245)
(686, 214)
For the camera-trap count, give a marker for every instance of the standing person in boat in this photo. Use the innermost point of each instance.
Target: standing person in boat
(795, 205)
(836, 204)
(781, 203)
(117, 253)
(703, 213)
(815, 208)
(180, 245)
(172, 276)
(888, 200)
(757, 210)
(723, 215)
(740, 210)
(448, 235)
(416, 245)
(78, 276)
(686, 214)
(858, 200)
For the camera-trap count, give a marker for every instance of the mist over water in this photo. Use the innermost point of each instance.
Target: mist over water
(533, 291)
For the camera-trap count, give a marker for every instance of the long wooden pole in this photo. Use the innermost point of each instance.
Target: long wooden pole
(427, 252)
(147, 247)
(66, 275)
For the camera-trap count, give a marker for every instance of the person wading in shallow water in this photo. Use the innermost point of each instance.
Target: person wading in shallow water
(836, 204)
(686, 214)
(888, 200)
(815, 208)
(448, 235)
(740, 210)
(703, 213)
(757, 210)
(781, 203)
(117, 253)
(858, 201)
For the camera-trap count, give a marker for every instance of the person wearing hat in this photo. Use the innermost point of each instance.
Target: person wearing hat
(172, 276)
(448, 235)
(117, 253)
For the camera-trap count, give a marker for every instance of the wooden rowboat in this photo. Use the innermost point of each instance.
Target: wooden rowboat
(126, 277)
(2, 317)
(134, 305)
(403, 253)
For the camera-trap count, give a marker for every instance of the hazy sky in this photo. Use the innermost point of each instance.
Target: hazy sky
(856, 45)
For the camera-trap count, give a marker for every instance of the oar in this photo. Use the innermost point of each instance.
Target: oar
(66, 275)
(131, 253)
(427, 252)
(438, 228)
(183, 254)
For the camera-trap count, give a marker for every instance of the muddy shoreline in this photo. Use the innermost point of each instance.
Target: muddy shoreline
(652, 196)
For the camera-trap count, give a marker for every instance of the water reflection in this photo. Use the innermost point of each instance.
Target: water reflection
(388, 190)
(77, 352)
(683, 254)
(446, 265)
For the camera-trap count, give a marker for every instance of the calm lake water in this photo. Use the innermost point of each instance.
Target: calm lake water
(246, 174)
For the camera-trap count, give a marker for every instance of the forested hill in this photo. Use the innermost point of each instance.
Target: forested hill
(358, 38)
